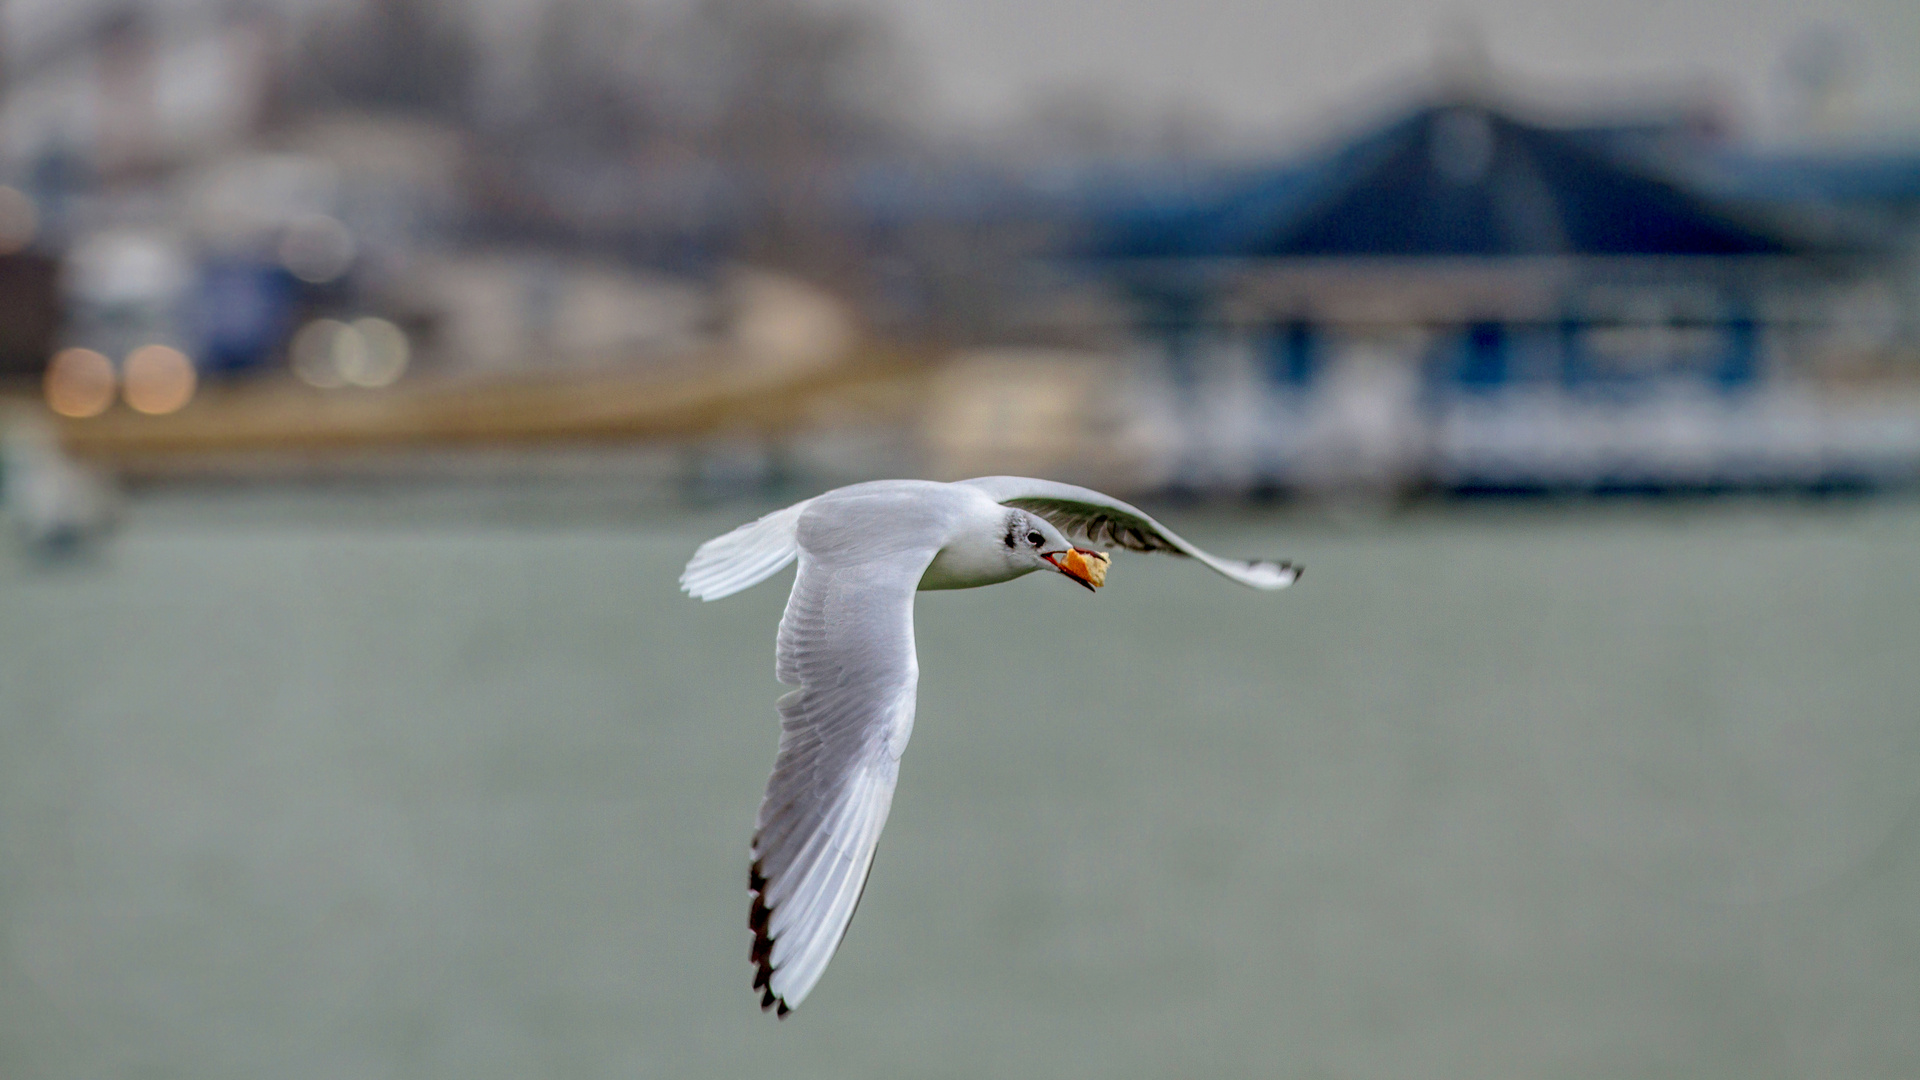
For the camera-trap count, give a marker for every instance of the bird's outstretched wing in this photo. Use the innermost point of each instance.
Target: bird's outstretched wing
(1103, 520)
(846, 641)
(744, 557)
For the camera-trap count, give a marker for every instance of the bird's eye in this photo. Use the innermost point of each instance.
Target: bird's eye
(1035, 539)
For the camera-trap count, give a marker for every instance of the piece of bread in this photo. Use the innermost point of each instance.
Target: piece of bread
(1091, 565)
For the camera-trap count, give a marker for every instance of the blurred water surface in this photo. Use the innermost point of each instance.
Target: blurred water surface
(324, 785)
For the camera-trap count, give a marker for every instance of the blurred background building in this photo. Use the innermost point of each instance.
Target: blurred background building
(245, 233)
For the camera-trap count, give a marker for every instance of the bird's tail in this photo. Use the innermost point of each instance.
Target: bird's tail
(744, 557)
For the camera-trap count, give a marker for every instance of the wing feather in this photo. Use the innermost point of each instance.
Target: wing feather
(744, 557)
(846, 642)
(1094, 518)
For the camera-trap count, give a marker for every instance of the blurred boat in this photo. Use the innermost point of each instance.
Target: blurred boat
(53, 504)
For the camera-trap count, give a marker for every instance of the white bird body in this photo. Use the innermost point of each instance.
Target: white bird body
(846, 643)
(974, 553)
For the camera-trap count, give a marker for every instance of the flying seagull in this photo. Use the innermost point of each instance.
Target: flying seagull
(846, 642)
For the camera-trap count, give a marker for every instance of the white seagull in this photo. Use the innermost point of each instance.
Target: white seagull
(846, 642)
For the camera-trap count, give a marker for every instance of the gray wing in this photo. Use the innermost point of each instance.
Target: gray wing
(744, 557)
(1103, 520)
(846, 641)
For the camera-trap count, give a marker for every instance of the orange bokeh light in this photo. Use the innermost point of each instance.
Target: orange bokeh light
(159, 379)
(79, 383)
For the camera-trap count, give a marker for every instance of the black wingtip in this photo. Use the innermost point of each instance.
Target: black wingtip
(761, 954)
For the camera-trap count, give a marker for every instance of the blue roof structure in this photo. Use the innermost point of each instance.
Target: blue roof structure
(1447, 180)
(1885, 177)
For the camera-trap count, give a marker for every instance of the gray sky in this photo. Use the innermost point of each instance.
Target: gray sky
(1280, 66)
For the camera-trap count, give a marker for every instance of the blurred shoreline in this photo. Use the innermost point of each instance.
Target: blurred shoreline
(391, 240)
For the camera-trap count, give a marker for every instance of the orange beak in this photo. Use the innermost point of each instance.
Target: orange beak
(1089, 568)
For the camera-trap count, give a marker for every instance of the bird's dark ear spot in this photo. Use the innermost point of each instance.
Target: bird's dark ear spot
(1013, 527)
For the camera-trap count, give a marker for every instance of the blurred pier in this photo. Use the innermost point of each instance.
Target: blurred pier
(250, 420)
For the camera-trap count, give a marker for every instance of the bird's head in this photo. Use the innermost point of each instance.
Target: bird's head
(1033, 543)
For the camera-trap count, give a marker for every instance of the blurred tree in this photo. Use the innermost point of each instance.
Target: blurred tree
(778, 79)
(727, 126)
(1096, 121)
(785, 97)
(389, 55)
(589, 84)
(747, 83)
(769, 103)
